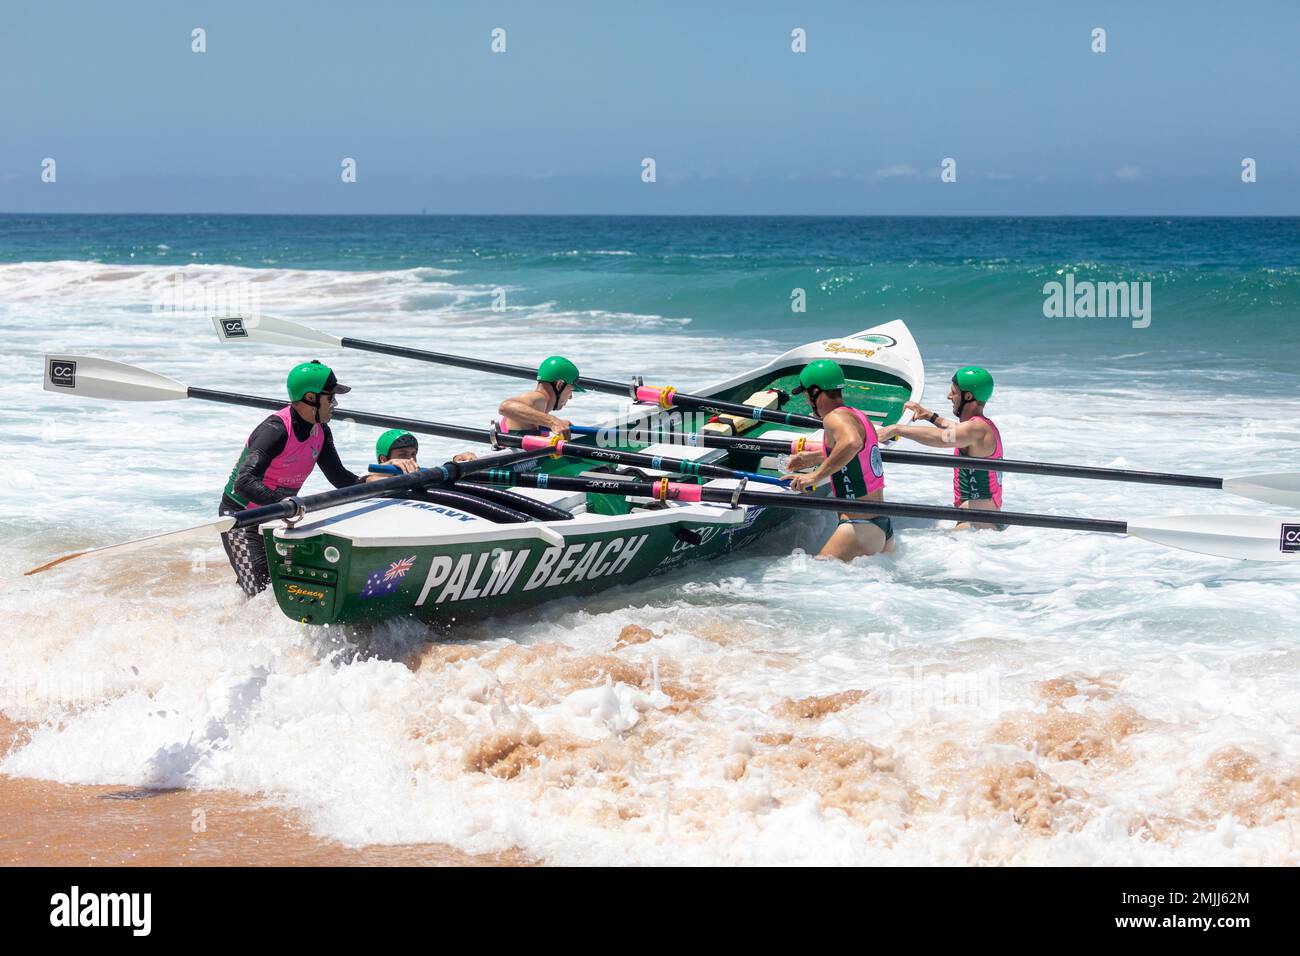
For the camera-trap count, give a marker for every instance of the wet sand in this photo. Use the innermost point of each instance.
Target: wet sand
(54, 824)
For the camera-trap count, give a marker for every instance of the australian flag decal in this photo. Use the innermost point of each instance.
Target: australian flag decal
(384, 581)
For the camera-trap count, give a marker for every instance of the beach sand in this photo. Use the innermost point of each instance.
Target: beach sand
(54, 824)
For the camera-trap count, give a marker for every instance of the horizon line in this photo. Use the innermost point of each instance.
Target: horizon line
(681, 215)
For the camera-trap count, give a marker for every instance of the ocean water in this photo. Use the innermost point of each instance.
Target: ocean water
(1026, 697)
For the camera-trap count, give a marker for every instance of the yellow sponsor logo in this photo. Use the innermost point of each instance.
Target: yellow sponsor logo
(836, 348)
(303, 592)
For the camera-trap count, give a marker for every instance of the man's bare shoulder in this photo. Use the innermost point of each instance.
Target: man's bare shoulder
(533, 397)
(979, 436)
(842, 422)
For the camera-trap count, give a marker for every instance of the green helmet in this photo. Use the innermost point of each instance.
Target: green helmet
(559, 369)
(392, 438)
(312, 377)
(823, 374)
(976, 380)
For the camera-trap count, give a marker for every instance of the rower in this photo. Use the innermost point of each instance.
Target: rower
(530, 412)
(851, 461)
(399, 448)
(277, 459)
(973, 434)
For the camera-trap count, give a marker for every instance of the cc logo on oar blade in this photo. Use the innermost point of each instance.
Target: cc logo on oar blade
(233, 328)
(63, 373)
(1290, 538)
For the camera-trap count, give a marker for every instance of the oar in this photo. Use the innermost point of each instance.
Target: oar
(103, 378)
(1278, 488)
(1281, 488)
(658, 462)
(263, 328)
(754, 446)
(297, 507)
(91, 377)
(1246, 537)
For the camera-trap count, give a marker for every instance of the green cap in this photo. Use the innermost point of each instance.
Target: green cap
(559, 369)
(976, 380)
(394, 437)
(823, 374)
(313, 377)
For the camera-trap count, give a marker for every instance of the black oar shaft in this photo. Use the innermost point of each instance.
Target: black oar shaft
(703, 403)
(651, 489)
(478, 365)
(480, 435)
(751, 445)
(657, 462)
(644, 434)
(439, 475)
(440, 429)
(767, 446)
(680, 399)
(1048, 468)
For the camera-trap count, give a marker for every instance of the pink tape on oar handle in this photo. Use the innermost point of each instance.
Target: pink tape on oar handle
(540, 442)
(685, 492)
(663, 397)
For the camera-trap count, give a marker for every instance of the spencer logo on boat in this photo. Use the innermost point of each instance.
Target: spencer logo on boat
(63, 373)
(233, 329)
(839, 348)
(495, 573)
(1290, 543)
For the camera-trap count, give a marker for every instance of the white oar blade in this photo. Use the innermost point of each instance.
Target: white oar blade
(1280, 488)
(167, 537)
(101, 378)
(272, 331)
(1247, 537)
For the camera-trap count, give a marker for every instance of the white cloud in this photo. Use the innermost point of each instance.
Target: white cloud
(1128, 172)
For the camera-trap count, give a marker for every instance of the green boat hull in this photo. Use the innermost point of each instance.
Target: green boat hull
(457, 582)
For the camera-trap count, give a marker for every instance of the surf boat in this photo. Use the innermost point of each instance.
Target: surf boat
(456, 553)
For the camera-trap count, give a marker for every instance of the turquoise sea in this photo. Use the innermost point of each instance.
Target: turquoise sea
(1226, 292)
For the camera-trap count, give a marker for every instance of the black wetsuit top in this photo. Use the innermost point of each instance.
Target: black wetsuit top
(268, 441)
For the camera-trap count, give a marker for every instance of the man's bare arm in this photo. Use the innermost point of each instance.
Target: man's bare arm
(847, 444)
(922, 414)
(961, 435)
(527, 409)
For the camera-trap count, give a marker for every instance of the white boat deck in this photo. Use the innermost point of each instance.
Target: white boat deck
(396, 522)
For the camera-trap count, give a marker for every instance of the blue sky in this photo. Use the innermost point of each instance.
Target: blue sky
(736, 122)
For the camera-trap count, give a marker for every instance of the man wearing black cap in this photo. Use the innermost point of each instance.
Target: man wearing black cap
(277, 459)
